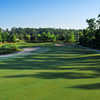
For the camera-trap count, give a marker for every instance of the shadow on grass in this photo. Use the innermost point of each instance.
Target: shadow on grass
(95, 86)
(54, 59)
(95, 69)
(52, 62)
(56, 75)
(58, 58)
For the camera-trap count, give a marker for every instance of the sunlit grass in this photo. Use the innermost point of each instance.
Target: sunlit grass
(51, 73)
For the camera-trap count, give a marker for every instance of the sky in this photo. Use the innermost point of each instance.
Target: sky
(69, 14)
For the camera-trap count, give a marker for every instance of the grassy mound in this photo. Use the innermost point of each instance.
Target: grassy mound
(9, 48)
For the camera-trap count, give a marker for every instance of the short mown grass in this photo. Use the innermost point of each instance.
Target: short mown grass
(52, 73)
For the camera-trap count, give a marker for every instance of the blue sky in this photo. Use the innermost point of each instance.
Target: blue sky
(47, 13)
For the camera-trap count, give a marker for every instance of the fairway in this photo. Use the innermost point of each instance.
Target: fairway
(51, 73)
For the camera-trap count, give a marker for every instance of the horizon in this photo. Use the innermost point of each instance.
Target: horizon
(70, 14)
(43, 28)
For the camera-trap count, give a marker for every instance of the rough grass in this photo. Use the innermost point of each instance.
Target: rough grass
(59, 73)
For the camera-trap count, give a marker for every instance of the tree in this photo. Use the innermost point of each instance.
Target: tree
(28, 37)
(12, 38)
(91, 35)
(4, 36)
(39, 37)
(53, 37)
(91, 24)
(0, 36)
(98, 22)
(44, 36)
(70, 37)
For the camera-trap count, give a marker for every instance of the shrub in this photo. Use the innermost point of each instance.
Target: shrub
(9, 48)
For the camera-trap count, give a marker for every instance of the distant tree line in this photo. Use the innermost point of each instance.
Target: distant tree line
(90, 36)
(39, 35)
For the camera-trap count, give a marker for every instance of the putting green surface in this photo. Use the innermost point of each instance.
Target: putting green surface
(51, 73)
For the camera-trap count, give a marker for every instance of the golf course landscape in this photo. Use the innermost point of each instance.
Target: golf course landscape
(50, 73)
(49, 49)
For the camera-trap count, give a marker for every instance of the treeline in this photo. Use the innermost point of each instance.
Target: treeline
(90, 37)
(39, 35)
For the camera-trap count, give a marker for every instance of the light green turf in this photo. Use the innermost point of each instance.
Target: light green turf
(51, 73)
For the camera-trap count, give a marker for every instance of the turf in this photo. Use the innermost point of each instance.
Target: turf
(51, 73)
